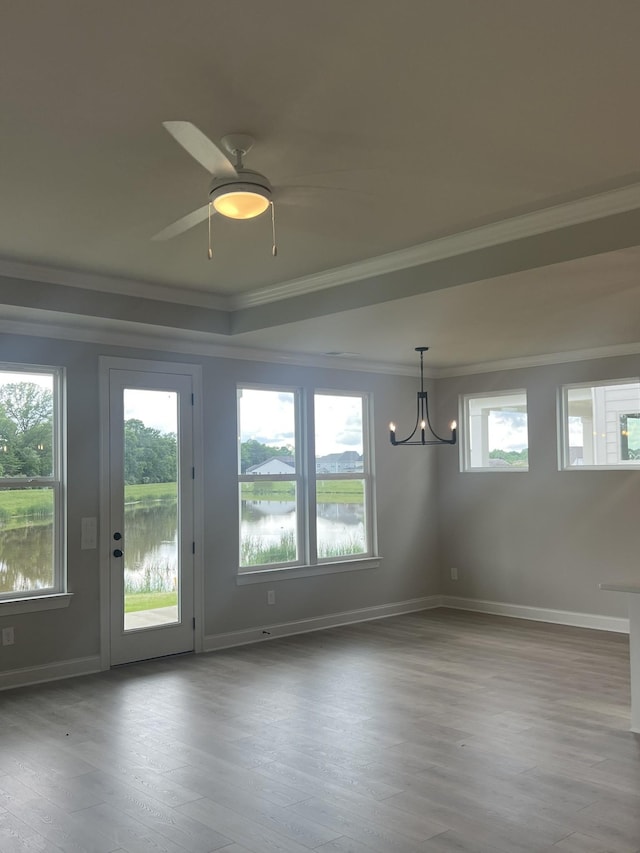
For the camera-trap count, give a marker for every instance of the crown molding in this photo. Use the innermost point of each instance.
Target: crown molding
(155, 338)
(558, 216)
(551, 218)
(546, 360)
(112, 284)
(139, 336)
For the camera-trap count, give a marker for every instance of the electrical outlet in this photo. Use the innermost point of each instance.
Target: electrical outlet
(271, 596)
(454, 573)
(7, 636)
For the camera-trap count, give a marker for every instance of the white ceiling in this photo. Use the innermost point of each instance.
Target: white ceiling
(413, 120)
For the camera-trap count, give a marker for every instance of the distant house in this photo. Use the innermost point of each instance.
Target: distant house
(274, 465)
(339, 463)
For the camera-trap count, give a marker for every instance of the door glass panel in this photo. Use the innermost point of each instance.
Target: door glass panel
(151, 512)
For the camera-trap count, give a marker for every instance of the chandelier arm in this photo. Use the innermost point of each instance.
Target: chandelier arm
(415, 429)
(433, 432)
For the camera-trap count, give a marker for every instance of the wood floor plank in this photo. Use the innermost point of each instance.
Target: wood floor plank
(244, 831)
(434, 732)
(16, 836)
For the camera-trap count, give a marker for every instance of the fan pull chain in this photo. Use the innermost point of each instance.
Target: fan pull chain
(274, 248)
(210, 252)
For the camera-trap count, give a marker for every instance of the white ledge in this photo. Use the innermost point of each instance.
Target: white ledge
(268, 575)
(56, 601)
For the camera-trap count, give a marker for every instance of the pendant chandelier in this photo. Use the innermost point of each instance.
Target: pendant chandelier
(422, 418)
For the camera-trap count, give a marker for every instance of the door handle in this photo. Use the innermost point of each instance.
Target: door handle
(117, 535)
(117, 552)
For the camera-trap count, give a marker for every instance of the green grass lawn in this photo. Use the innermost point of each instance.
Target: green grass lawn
(19, 507)
(135, 601)
(149, 492)
(328, 491)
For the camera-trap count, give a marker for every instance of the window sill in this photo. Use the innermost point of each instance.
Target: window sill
(507, 469)
(269, 575)
(627, 466)
(57, 601)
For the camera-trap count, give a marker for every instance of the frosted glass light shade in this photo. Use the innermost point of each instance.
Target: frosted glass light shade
(241, 204)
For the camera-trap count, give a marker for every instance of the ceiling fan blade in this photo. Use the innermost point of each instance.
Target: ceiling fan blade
(201, 148)
(182, 225)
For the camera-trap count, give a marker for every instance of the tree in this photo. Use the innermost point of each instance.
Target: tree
(253, 452)
(149, 455)
(26, 427)
(26, 404)
(515, 458)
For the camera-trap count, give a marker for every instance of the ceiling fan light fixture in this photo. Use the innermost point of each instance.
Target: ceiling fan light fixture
(240, 200)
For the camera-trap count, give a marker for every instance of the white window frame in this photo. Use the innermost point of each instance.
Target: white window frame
(55, 596)
(564, 462)
(365, 475)
(297, 477)
(308, 564)
(465, 445)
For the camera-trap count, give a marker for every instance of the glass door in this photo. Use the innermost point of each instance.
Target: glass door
(151, 514)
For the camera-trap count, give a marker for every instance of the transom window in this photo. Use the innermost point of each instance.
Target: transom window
(304, 478)
(496, 432)
(31, 516)
(601, 425)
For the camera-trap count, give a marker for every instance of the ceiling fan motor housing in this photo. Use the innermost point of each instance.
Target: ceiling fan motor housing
(247, 181)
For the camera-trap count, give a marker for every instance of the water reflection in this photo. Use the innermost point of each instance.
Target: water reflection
(340, 526)
(151, 542)
(26, 558)
(151, 547)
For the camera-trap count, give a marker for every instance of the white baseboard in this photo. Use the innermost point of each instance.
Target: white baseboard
(212, 642)
(49, 672)
(538, 614)
(87, 665)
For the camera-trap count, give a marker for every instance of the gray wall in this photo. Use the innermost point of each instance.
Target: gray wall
(544, 538)
(406, 501)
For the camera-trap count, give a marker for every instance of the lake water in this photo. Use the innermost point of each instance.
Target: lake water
(151, 542)
(340, 526)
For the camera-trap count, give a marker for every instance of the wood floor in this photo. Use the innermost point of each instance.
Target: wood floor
(437, 731)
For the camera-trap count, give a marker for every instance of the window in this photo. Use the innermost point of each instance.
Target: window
(342, 478)
(270, 477)
(304, 478)
(31, 516)
(601, 425)
(496, 436)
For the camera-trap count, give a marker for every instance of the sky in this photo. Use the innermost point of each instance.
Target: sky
(156, 409)
(508, 431)
(268, 417)
(44, 380)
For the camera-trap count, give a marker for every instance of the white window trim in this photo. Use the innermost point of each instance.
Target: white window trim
(56, 596)
(365, 475)
(305, 479)
(297, 477)
(465, 445)
(563, 426)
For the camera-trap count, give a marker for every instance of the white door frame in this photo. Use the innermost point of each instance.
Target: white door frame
(194, 371)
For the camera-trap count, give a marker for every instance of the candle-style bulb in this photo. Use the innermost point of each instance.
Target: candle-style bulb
(423, 424)
(392, 427)
(454, 426)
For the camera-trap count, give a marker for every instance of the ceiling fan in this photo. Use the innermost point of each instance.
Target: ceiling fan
(235, 191)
